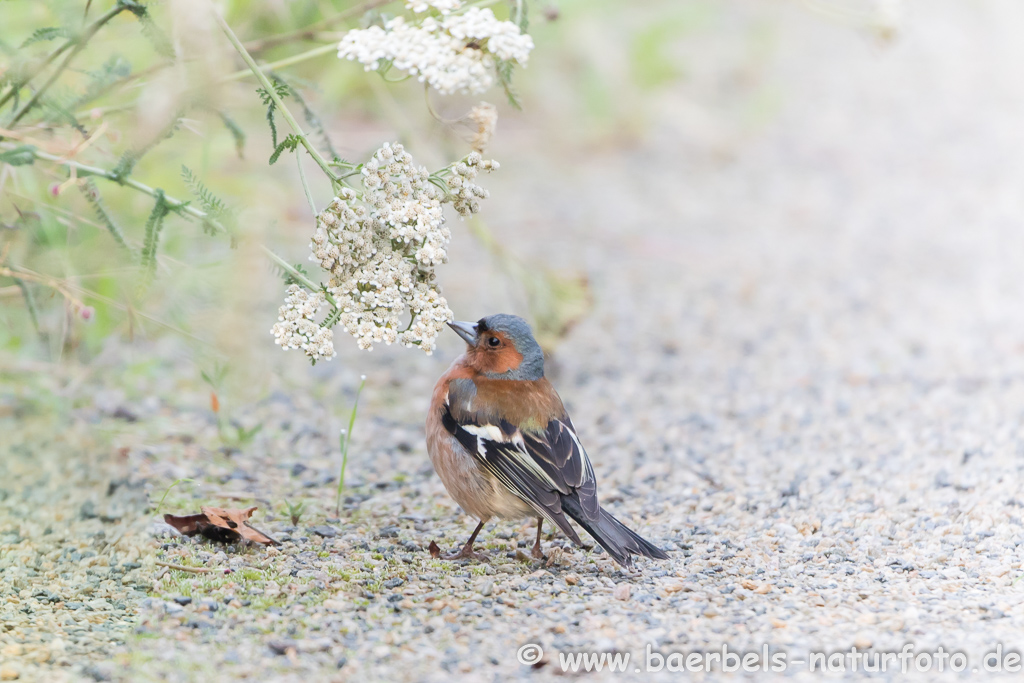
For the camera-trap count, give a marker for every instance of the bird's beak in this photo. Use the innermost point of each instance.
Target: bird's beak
(465, 330)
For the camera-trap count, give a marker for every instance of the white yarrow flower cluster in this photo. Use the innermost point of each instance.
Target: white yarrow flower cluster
(464, 193)
(297, 327)
(381, 248)
(452, 52)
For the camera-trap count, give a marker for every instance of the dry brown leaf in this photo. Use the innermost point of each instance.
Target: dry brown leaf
(219, 524)
(237, 521)
(190, 525)
(435, 551)
(187, 525)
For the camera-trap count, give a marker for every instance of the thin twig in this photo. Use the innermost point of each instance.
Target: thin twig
(65, 287)
(183, 568)
(309, 32)
(47, 281)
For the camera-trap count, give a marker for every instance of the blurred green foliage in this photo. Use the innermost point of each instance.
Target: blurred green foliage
(157, 97)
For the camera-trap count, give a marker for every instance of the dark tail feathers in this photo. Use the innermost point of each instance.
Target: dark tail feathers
(614, 536)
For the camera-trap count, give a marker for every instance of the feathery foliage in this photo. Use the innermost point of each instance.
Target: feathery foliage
(44, 34)
(210, 202)
(236, 132)
(92, 195)
(282, 90)
(290, 144)
(153, 226)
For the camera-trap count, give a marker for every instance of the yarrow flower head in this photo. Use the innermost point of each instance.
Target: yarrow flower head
(297, 327)
(381, 247)
(452, 50)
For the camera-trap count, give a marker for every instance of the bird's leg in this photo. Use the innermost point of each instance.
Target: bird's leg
(536, 546)
(467, 552)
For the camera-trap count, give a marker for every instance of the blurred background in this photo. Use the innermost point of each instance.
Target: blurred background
(774, 249)
(683, 176)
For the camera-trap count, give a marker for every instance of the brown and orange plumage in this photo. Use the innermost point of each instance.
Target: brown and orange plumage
(504, 446)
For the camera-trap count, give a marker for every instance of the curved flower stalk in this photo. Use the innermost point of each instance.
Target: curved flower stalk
(380, 247)
(454, 50)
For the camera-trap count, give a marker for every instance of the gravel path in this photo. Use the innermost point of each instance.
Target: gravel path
(804, 375)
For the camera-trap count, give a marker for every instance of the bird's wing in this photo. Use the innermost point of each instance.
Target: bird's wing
(539, 463)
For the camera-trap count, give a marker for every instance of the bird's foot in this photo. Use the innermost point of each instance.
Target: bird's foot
(537, 554)
(467, 553)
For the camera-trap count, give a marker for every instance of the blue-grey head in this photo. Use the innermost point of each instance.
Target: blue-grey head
(502, 346)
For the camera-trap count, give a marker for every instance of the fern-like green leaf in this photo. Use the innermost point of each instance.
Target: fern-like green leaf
(154, 224)
(44, 34)
(504, 69)
(236, 132)
(210, 202)
(281, 88)
(332, 319)
(310, 116)
(157, 38)
(290, 144)
(92, 195)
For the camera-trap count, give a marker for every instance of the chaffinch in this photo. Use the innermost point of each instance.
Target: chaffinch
(503, 445)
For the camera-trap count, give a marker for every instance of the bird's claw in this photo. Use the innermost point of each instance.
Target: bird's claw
(468, 554)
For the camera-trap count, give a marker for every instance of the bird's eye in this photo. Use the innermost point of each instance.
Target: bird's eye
(494, 341)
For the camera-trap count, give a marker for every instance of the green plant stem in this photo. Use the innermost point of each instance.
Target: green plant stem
(296, 275)
(305, 185)
(168, 490)
(79, 44)
(287, 61)
(176, 205)
(272, 93)
(344, 446)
